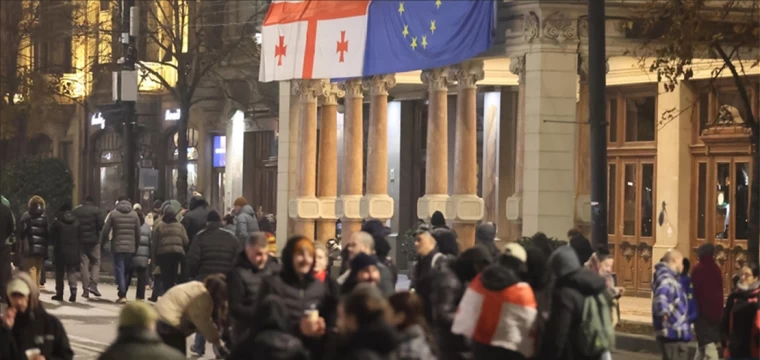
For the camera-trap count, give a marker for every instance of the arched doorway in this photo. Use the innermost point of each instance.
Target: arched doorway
(192, 163)
(107, 170)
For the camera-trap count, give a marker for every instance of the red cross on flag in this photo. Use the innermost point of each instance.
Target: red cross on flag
(313, 39)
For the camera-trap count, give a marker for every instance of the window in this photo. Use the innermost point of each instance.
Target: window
(640, 114)
(612, 108)
(701, 200)
(630, 203)
(612, 199)
(647, 194)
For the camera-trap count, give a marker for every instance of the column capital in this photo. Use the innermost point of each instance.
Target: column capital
(330, 93)
(379, 84)
(468, 73)
(308, 90)
(437, 79)
(352, 88)
(583, 64)
(517, 65)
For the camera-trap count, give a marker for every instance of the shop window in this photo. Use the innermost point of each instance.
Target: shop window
(741, 192)
(612, 119)
(701, 200)
(647, 194)
(612, 200)
(630, 203)
(640, 114)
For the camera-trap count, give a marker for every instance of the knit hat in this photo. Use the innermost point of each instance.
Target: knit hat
(157, 204)
(516, 250)
(438, 219)
(136, 207)
(241, 201)
(361, 261)
(706, 249)
(137, 314)
(18, 286)
(213, 216)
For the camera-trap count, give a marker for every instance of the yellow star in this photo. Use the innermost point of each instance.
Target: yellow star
(406, 30)
(401, 8)
(438, 3)
(424, 41)
(432, 26)
(414, 43)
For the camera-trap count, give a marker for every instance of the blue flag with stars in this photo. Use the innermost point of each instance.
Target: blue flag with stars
(425, 34)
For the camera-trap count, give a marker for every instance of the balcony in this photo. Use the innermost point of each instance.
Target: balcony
(147, 81)
(68, 87)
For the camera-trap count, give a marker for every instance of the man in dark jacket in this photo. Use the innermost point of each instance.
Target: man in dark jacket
(7, 228)
(137, 339)
(707, 279)
(573, 284)
(243, 283)
(195, 219)
(91, 223)
(141, 260)
(26, 325)
(213, 251)
(125, 240)
(65, 233)
(362, 242)
(245, 219)
(485, 236)
(33, 238)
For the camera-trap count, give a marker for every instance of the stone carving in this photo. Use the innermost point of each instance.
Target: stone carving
(559, 28)
(379, 84)
(517, 65)
(645, 251)
(308, 90)
(437, 79)
(331, 92)
(583, 64)
(720, 255)
(583, 28)
(627, 250)
(530, 26)
(468, 73)
(353, 88)
(740, 257)
(728, 116)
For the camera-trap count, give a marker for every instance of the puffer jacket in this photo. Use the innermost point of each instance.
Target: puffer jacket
(195, 220)
(671, 300)
(189, 308)
(444, 291)
(134, 343)
(125, 224)
(246, 223)
(375, 341)
(414, 345)
(169, 237)
(213, 251)
(143, 250)
(243, 285)
(33, 233)
(65, 233)
(91, 220)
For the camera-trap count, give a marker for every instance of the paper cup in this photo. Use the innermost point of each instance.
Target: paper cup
(312, 315)
(30, 353)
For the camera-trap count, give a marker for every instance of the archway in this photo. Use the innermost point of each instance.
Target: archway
(192, 162)
(107, 170)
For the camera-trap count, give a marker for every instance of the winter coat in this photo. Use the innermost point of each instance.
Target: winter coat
(707, 279)
(434, 288)
(446, 240)
(65, 233)
(135, 343)
(572, 286)
(485, 236)
(213, 251)
(7, 225)
(376, 341)
(740, 327)
(125, 224)
(91, 220)
(595, 266)
(169, 238)
(669, 299)
(189, 308)
(34, 329)
(246, 223)
(33, 233)
(243, 285)
(195, 220)
(414, 345)
(685, 281)
(143, 251)
(506, 332)
(440, 308)
(424, 266)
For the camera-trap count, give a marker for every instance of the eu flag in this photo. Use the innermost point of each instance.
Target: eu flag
(423, 34)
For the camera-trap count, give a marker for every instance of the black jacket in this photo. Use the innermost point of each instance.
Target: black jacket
(65, 233)
(243, 285)
(195, 220)
(91, 220)
(271, 345)
(377, 341)
(33, 233)
(139, 344)
(739, 318)
(213, 251)
(442, 292)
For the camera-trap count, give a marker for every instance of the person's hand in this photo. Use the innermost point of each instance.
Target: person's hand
(620, 290)
(312, 328)
(37, 357)
(9, 318)
(148, 261)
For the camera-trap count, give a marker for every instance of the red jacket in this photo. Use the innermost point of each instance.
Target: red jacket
(707, 280)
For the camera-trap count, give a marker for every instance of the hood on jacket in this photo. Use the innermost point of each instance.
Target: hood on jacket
(36, 200)
(124, 207)
(536, 266)
(564, 261)
(34, 292)
(287, 271)
(438, 220)
(170, 214)
(465, 267)
(662, 273)
(446, 241)
(498, 277)
(66, 217)
(197, 201)
(485, 233)
(248, 209)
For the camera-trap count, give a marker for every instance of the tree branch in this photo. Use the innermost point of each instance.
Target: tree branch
(750, 121)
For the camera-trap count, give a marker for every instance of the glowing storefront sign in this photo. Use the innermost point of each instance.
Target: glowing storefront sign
(172, 115)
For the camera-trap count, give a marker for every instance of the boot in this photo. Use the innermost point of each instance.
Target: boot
(73, 297)
(57, 297)
(94, 290)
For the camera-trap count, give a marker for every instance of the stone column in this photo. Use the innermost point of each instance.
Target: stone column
(436, 165)
(327, 183)
(305, 209)
(287, 163)
(348, 205)
(465, 207)
(376, 204)
(514, 202)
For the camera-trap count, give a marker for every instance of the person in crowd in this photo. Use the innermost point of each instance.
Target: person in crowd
(536, 264)
(155, 212)
(169, 240)
(670, 307)
(514, 257)
(508, 332)
(245, 219)
(137, 338)
(213, 252)
(572, 285)
(601, 262)
(26, 328)
(310, 307)
(740, 327)
(418, 343)
(193, 307)
(708, 294)
(363, 243)
(270, 338)
(580, 244)
(142, 260)
(686, 285)
(7, 230)
(541, 241)
(428, 256)
(91, 220)
(124, 224)
(485, 236)
(379, 234)
(364, 321)
(196, 218)
(65, 233)
(33, 238)
(445, 238)
(321, 270)
(229, 222)
(244, 281)
(364, 269)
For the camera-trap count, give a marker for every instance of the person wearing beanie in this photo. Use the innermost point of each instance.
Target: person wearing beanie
(245, 219)
(137, 338)
(379, 234)
(196, 217)
(364, 269)
(65, 233)
(169, 241)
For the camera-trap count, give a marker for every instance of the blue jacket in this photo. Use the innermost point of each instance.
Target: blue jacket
(669, 299)
(685, 281)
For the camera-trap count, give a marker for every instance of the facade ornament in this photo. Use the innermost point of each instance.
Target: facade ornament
(728, 116)
(307, 90)
(468, 73)
(740, 257)
(353, 88)
(583, 64)
(559, 28)
(530, 26)
(627, 250)
(645, 251)
(517, 65)
(437, 79)
(720, 255)
(331, 92)
(583, 28)
(379, 84)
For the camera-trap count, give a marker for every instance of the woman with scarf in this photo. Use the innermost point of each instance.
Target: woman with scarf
(740, 327)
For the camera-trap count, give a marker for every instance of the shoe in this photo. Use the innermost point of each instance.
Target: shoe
(152, 299)
(197, 351)
(57, 298)
(73, 296)
(121, 300)
(86, 295)
(94, 291)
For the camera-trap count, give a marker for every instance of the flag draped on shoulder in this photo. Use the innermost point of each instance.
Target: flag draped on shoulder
(327, 39)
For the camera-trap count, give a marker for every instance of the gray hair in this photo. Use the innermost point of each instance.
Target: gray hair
(257, 239)
(366, 240)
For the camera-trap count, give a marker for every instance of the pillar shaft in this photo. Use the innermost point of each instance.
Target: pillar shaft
(353, 151)
(436, 165)
(327, 186)
(307, 91)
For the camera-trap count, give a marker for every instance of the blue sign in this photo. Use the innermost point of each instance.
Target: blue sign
(220, 151)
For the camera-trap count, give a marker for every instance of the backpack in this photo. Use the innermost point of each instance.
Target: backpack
(596, 333)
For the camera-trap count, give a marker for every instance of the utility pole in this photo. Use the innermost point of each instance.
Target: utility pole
(126, 95)
(597, 121)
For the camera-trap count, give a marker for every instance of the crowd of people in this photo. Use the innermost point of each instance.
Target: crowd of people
(220, 281)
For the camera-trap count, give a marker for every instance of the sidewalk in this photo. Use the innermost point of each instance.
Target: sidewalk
(634, 331)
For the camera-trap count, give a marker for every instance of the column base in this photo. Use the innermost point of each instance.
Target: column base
(327, 208)
(307, 208)
(465, 208)
(429, 204)
(348, 207)
(376, 206)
